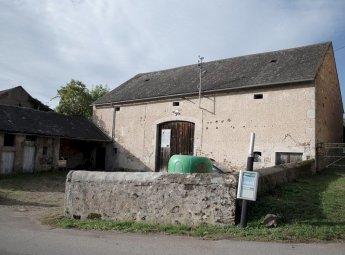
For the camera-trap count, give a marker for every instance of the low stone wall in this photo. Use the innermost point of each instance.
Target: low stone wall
(189, 199)
(272, 177)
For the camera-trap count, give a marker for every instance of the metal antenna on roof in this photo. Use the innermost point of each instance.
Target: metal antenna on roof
(200, 64)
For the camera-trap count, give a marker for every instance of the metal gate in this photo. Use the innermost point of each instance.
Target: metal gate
(333, 154)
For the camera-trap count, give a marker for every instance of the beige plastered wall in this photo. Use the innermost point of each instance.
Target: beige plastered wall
(283, 121)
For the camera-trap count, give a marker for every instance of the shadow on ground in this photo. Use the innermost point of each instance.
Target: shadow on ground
(37, 182)
(303, 201)
(10, 201)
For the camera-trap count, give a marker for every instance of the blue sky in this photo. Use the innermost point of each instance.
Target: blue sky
(44, 44)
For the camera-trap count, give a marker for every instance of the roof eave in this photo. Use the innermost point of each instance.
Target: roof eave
(55, 136)
(308, 81)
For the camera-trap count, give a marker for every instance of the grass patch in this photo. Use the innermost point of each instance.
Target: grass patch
(311, 210)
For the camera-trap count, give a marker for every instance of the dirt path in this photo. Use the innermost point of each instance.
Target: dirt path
(18, 236)
(37, 196)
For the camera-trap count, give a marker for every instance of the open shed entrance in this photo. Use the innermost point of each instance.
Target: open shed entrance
(85, 155)
(174, 137)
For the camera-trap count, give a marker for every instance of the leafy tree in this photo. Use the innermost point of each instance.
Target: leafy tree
(98, 91)
(76, 99)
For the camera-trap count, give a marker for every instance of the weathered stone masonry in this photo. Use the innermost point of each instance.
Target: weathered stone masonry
(152, 197)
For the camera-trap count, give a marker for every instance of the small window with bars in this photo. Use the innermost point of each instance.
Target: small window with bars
(288, 157)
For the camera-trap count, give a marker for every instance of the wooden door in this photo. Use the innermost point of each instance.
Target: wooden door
(7, 162)
(174, 137)
(29, 159)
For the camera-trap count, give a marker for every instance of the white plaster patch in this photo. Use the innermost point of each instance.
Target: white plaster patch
(310, 132)
(311, 114)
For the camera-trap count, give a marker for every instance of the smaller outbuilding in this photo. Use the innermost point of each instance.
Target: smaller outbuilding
(18, 96)
(34, 141)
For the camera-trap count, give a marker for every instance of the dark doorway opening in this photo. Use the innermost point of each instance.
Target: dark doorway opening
(100, 158)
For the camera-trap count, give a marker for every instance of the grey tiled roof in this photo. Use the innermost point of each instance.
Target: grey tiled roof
(277, 67)
(4, 91)
(29, 121)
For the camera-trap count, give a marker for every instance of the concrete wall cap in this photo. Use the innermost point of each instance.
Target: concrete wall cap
(115, 176)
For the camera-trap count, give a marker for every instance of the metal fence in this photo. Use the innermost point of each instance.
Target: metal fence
(333, 154)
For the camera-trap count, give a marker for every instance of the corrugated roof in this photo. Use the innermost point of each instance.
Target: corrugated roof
(277, 67)
(29, 121)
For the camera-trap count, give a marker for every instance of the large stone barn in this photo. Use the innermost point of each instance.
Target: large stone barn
(290, 98)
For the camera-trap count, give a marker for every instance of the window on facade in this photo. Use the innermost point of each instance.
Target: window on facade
(288, 157)
(45, 150)
(258, 96)
(9, 139)
(117, 109)
(31, 138)
(176, 103)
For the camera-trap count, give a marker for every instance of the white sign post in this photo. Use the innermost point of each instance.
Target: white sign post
(248, 183)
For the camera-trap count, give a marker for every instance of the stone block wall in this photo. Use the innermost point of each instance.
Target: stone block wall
(329, 107)
(271, 177)
(46, 153)
(189, 199)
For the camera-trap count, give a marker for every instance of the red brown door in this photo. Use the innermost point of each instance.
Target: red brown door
(174, 137)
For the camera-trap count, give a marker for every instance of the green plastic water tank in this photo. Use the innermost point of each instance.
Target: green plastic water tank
(189, 164)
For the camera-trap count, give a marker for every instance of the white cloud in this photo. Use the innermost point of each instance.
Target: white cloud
(44, 44)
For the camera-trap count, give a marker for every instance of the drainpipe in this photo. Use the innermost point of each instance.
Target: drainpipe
(113, 129)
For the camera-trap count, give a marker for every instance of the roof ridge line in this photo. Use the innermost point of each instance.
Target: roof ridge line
(235, 57)
(296, 63)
